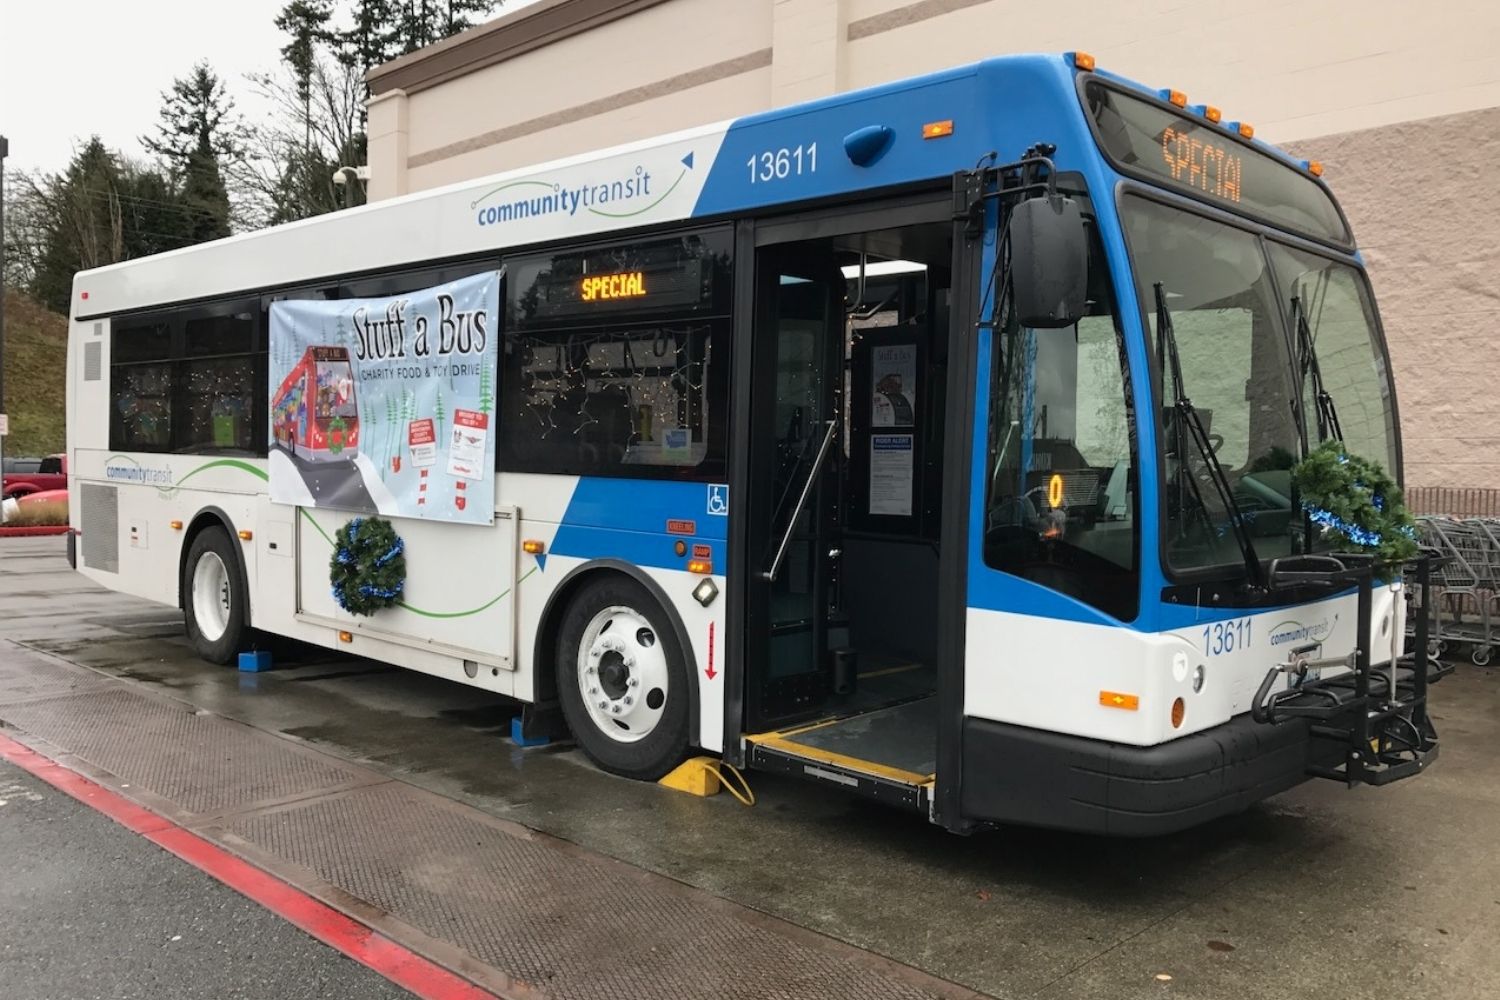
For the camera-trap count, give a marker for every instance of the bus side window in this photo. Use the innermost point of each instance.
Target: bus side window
(615, 359)
(140, 383)
(219, 392)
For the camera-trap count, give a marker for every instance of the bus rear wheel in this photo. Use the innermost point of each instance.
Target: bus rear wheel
(622, 679)
(213, 598)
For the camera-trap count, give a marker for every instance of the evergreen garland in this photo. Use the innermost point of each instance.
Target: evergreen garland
(1356, 503)
(368, 570)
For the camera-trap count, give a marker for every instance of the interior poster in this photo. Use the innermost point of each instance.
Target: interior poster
(893, 369)
(388, 405)
(891, 474)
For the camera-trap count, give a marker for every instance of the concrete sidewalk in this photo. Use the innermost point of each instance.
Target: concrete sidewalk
(517, 912)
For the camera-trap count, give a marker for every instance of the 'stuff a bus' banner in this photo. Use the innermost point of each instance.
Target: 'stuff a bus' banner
(388, 405)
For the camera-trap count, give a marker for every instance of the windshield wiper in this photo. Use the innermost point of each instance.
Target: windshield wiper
(1187, 416)
(1307, 363)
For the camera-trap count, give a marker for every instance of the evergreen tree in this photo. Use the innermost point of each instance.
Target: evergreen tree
(306, 24)
(374, 35)
(155, 216)
(98, 211)
(426, 21)
(199, 134)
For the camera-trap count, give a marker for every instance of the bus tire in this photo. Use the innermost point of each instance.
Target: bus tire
(622, 679)
(213, 596)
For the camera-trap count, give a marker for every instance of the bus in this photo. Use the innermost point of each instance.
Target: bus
(314, 414)
(930, 442)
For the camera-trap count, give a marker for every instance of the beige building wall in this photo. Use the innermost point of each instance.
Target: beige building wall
(1401, 101)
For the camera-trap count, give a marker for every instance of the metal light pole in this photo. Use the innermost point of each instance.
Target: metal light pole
(4, 151)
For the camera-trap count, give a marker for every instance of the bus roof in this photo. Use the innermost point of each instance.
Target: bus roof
(746, 165)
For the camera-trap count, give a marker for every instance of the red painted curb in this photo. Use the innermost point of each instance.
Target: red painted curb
(32, 530)
(366, 946)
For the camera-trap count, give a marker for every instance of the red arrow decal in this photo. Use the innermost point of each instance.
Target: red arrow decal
(709, 671)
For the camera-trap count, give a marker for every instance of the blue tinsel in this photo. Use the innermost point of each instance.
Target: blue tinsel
(1328, 519)
(382, 592)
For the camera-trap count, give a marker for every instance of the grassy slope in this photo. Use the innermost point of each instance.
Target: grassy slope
(36, 348)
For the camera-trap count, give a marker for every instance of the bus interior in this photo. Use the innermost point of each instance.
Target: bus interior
(845, 505)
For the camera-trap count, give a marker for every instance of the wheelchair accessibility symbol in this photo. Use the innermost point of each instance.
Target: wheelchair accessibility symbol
(718, 499)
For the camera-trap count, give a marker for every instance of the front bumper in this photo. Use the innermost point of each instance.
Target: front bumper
(1012, 774)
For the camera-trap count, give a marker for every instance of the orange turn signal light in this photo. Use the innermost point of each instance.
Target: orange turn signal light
(176, 525)
(533, 547)
(936, 130)
(245, 536)
(1083, 61)
(346, 637)
(703, 567)
(1179, 709)
(1114, 699)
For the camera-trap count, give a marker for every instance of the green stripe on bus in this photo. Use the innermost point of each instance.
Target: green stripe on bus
(230, 463)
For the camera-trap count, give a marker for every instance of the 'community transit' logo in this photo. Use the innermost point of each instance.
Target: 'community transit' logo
(123, 468)
(634, 192)
(1292, 630)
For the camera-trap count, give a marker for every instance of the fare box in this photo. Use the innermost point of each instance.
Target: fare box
(471, 429)
(421, 438)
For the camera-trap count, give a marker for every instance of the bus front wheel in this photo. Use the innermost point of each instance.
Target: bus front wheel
(622, 678)
(213, 599)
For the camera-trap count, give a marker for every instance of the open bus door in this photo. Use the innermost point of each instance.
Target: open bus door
(843, 658)
(793, 500)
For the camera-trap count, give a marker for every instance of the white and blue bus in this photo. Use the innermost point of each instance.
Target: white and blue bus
(930, 441)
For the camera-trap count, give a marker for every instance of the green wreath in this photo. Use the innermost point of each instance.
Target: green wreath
(368, 570)
(1356, 503)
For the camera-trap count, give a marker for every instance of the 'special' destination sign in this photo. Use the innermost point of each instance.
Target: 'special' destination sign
(1205, 160)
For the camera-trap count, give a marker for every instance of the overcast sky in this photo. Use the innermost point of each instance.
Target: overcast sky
(71, 68)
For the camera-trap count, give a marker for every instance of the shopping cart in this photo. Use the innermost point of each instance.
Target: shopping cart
(1462, 608)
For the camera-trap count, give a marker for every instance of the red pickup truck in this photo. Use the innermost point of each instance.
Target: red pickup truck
(24, 476)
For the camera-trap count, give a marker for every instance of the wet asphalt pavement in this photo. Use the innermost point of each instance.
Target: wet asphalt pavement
(89, 909)
(1320, 892)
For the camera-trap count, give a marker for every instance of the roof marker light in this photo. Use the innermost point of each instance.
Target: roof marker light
(1082, 61)
(1171, 96)
(1212, 113)
(1313, 167)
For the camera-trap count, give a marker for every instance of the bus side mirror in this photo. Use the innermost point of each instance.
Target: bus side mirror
(1049, 261)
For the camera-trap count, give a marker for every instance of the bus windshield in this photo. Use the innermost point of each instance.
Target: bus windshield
(1334, 300)
(1227, 313)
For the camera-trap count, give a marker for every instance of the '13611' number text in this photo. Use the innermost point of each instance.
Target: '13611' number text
(779, 164)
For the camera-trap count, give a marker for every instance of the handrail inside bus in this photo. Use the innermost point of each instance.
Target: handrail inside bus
(807, 487)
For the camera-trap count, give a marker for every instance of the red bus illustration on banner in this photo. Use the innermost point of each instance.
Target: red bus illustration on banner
(314, 414)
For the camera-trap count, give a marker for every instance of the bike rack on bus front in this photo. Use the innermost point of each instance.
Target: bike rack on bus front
(1379, 720)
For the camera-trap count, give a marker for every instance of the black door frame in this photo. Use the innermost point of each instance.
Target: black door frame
(928, 206)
